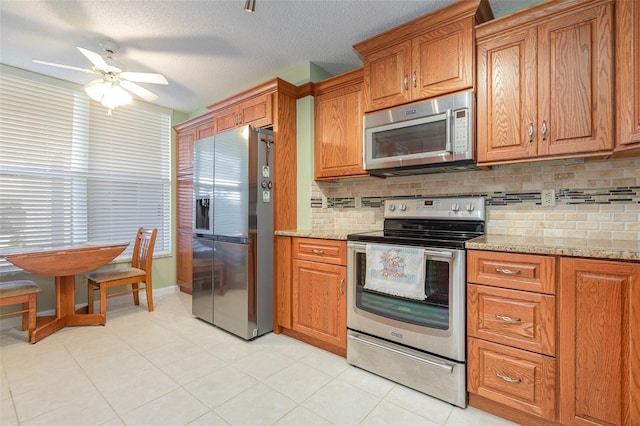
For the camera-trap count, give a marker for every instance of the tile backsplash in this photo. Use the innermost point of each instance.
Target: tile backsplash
(594, 199)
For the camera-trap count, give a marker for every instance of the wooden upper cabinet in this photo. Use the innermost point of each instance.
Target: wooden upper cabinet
(628, 74)
(256, 111)
(338, 127)
(545, 83)
(424, 58)
(507, 96)
(599, 344)
(453, 70)
(184, 142)
(386, 77)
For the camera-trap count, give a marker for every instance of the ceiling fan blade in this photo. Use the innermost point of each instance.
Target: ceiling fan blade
(97, 60)
(144, 77)
(69, 67)
(138, 90)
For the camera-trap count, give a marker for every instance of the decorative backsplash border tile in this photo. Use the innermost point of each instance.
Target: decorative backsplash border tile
(615, 195)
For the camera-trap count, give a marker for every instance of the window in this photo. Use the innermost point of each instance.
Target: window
(69, 173)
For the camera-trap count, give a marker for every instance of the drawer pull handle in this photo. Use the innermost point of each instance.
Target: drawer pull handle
(316, 251)
(507, 378)
(507, 271)
(507, 319)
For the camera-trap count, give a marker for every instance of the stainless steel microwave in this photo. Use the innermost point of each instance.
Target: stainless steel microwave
(424, 137)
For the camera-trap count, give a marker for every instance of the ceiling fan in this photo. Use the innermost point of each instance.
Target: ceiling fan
(113, 87)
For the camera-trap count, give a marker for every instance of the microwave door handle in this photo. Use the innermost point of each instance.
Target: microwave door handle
(449, 132)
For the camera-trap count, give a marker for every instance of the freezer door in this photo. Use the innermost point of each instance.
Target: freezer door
(235, 296)
(202, 279)
(231, 192)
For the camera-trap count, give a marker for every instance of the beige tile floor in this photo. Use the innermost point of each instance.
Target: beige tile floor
(168, 368)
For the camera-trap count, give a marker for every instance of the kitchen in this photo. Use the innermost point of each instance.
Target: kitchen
(512, 193)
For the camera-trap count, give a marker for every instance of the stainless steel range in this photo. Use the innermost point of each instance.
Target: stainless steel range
(406, 294)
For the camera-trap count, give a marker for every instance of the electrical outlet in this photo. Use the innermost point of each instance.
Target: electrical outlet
(548, 197)
(358, 202)
(325, 202)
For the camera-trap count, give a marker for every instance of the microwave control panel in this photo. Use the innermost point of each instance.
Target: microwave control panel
(461, 130)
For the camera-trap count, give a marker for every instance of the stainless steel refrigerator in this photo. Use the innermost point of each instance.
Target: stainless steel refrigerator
(233, 231)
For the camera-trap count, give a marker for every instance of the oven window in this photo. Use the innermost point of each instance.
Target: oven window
(432, 312)
(403, 141)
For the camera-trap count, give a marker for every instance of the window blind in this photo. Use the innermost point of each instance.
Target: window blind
(69, 173)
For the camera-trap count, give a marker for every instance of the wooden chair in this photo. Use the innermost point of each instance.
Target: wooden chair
(21, 292)
(139, 272)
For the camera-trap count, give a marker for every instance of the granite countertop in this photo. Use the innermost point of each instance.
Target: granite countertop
(575, 247)
(314, 234)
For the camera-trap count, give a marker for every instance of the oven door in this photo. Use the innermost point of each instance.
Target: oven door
(435, 324)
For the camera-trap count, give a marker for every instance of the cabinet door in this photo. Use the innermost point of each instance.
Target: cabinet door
(507, 96)
(442, 60)
(386, 77)
(628, 74)
(575, 82)
(256, 112)
(184, 261)
(338, 133)
(185, 152)
(599, 345)
(319, 301)
(226, 119)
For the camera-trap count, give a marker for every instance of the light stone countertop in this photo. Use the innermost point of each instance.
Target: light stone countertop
(313, 234)
(574, 247)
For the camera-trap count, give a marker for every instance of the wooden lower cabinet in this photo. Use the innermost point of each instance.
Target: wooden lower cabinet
(599, 347)
(319, 301)
(516, 378)
(591, 325)
(511, 324)
(310, 291)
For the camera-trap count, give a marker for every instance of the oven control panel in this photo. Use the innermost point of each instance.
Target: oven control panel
(462, 208)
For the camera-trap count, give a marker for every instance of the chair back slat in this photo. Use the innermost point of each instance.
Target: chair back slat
(143, 248)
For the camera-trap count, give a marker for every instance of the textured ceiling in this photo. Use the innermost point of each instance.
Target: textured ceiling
(208, 50)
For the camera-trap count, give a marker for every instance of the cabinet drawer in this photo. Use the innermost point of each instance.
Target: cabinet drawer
(319, 250)
(516, 378)
(512, 270)
(516, 318)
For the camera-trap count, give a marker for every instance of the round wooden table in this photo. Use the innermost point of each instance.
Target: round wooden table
(64, 263)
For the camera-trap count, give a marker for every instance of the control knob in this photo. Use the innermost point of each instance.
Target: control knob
(455, 207)
(392, 207)
(469, 207)
(403, 207)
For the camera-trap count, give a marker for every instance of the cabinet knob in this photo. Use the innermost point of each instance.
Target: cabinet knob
(530, 132)
(545, 130)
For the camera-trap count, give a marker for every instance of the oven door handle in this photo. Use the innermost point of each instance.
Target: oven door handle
(434, 253)
(447, 367)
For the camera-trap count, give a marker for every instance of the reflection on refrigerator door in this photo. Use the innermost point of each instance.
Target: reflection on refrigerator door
(233, 302)
(202, 279)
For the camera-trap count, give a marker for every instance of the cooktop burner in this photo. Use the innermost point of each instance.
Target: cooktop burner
(435, 222)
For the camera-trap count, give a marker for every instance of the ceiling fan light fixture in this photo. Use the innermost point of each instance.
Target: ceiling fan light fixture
(108, 93)
(250, 6)
(116, 96)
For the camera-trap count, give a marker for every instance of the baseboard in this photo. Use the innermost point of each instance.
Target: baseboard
(16, 320)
